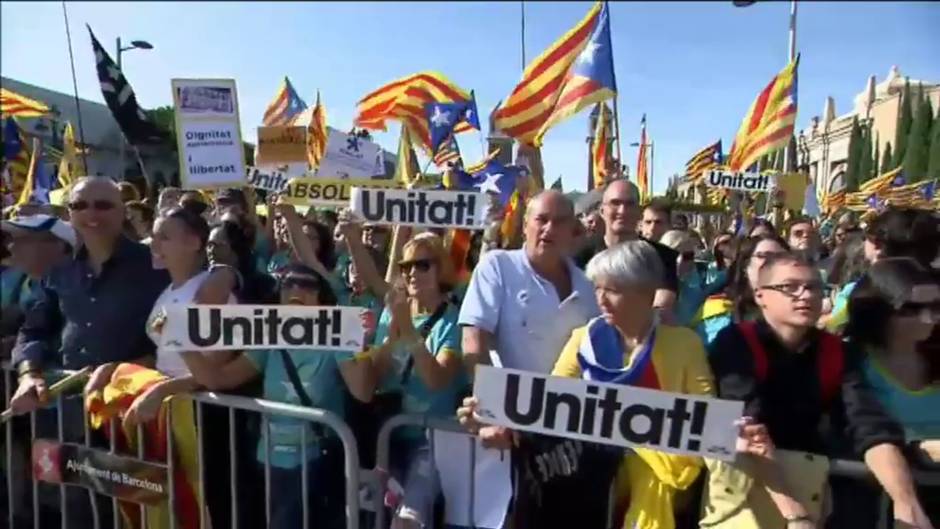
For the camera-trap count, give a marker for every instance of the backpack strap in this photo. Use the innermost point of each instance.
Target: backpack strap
(758, 353)
(831, 363)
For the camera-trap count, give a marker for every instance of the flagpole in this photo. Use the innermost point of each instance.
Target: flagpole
(617, 136)
(78, 107)
(522, 8)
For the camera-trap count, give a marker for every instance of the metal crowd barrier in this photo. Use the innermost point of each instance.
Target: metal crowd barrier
(17, 479)
(837, 467)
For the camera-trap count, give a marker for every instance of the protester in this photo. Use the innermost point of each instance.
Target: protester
(141, 217)
(692, 287)
(417, 358)
(620, 209)
(789, 376)
(761, 227)
(229, 245)
(893, 309)
(802, 237)
(647, 354)
(37, 244)
(656, 220)
(723, 255)
(322, 379)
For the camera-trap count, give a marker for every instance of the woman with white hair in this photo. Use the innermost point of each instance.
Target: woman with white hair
(628, 345)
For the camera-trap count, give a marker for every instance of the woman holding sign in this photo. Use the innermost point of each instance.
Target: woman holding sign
(625, 345)
(418, 363)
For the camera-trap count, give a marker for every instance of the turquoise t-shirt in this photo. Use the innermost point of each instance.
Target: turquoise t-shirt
(444, 338)
(320, 376)
(916, 411)
(691, 297)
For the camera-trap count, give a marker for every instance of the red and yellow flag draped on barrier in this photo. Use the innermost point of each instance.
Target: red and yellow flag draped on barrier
(561, 81)
(127, 383)
(768, 124)
(404, 99)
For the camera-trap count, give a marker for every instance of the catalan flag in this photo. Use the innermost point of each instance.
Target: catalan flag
(448, 152)
(404, 100)
(13, 104)
(882, 183)
(768, 124)
(481, 165)
(834, 201)
(316, 134)
(38, 180)
(573, 73)
(704, 160)
(15, 157)
(642, 171)
(285, 106)
(600, 150)
(918, 194)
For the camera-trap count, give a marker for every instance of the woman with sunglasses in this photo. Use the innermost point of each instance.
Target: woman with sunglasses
(892, 312)
(736, 302)
(323, 380)
(417, 354)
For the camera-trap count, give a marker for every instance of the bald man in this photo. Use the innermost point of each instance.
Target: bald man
(620, 209)
(524, 303)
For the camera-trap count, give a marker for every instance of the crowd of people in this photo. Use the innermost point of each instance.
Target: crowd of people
(827, 331)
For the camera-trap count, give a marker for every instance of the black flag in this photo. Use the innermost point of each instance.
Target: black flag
(557, 184)
(119, 95)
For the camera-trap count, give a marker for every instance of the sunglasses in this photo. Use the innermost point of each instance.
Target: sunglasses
(97, 205)
(304, 283)
(421, 265)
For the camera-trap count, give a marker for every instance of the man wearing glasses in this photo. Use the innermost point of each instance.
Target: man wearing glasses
(91, 311)
(804, 387)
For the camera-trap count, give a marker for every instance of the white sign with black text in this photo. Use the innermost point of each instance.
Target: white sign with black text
(417, 207)
(753, 182)
(239, 327)
(274, 180)
(605, 413)
(208, 133)
(349, 156)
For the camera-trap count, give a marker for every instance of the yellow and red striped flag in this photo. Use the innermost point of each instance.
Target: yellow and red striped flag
(600, 150)
(914, 195)
(703, 160)
(881, 183)
(642, 171)
(316, 134)
(574, 72)
(71, 165)
(768, 124)
(285, 106)
(404, 99)
(13, 104)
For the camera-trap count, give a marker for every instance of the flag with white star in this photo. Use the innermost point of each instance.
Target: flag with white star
(118, 94)
(444, 117)
(493, 178)
(573, 73)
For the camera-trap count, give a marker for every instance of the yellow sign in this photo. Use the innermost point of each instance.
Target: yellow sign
(278, 145)
(328, 192)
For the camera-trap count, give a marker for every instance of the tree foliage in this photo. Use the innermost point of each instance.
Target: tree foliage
(905, 117)
(855, 151)
(918, 140)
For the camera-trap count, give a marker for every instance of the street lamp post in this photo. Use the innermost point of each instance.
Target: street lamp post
(135, 45)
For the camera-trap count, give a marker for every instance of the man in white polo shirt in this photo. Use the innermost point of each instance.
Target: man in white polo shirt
(524, 303)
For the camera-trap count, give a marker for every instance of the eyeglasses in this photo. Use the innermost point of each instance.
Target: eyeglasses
(421, 265)
(97, 205)
(616, 203)
(304, 283)
(800, 233)
(796, 290)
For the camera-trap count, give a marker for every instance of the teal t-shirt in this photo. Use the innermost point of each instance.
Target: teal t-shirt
(916, 411)
(320, 376)
(691, 297)
(444, 338)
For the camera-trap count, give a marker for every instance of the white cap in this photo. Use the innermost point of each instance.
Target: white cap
(39, 223)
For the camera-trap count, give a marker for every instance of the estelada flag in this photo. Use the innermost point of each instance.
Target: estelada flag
(768, 124)
(111, 403)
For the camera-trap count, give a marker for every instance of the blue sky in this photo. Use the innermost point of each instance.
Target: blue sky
(693, 68)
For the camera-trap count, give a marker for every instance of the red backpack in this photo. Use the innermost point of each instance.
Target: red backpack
(830, 361)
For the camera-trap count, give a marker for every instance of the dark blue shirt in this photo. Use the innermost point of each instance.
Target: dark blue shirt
(98, 318)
